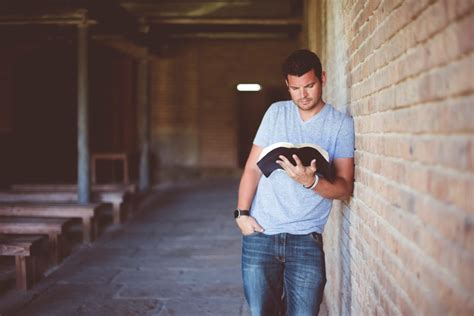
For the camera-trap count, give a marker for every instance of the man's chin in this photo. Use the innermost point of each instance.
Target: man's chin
(305, 106)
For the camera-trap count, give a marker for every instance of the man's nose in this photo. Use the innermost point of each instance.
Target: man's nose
(304, 93)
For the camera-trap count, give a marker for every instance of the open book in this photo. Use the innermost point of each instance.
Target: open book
(306, 153)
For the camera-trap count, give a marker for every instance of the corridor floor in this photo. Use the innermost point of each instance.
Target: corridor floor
(179, 256)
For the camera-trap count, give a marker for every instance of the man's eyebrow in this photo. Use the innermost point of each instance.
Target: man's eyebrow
(305, 86)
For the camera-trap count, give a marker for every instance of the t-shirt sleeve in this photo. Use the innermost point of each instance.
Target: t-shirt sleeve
(262, 138)
(345, 139)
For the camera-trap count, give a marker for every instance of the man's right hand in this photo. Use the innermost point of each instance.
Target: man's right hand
(248, 225)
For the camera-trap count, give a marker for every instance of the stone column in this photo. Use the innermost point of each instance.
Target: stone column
(143, 122)
(83, 160)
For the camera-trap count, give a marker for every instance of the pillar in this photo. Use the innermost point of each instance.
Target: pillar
(143, 123)
(83, 161)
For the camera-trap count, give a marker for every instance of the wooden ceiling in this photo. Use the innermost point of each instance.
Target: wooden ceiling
(162, 18)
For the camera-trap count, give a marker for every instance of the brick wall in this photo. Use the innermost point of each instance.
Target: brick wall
(403, 244)
(194, 99)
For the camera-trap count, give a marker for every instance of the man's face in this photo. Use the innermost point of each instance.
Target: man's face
(306, 91)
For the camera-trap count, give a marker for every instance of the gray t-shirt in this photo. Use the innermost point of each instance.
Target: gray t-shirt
(282, 205)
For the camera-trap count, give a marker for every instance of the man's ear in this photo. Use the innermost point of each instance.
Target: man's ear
(323, 78)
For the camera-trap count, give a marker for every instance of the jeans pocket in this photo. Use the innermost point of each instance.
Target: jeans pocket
(317, 238)
(252, 234)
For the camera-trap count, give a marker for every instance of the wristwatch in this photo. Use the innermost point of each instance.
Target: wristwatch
(238, 212)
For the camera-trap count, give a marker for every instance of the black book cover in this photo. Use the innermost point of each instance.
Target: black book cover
(306, 153)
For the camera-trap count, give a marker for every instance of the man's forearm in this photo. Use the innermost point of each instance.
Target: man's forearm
(248, 187)
(339, 188)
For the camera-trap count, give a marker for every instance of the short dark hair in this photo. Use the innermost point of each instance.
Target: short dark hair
(300, 62)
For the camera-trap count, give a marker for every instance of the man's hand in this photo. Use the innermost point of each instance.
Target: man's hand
(248, 225)
(299, 173)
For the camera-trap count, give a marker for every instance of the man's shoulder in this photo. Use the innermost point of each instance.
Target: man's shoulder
(278, 108)
(337, 114)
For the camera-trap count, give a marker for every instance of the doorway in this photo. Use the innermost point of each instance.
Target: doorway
(251, 107)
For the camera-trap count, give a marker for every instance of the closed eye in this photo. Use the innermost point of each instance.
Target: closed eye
(308, 86)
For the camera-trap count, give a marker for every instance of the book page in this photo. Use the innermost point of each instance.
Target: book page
(268, 149)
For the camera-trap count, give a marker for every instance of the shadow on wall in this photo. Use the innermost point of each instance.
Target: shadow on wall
(346, 284)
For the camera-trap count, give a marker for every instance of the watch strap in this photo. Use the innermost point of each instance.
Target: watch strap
(239, 212)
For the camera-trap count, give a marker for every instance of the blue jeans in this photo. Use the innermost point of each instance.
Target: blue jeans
(283, 274)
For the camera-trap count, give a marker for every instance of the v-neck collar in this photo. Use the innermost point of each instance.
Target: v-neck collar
(313, 118)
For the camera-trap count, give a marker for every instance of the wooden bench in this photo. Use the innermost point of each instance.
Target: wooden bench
(115, 193)
(68, 194)
(54, 228)
(88, 213)
(68, 187)
(27, 250)
(37, 196)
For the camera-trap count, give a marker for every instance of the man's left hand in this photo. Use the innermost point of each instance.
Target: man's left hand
(299, 173)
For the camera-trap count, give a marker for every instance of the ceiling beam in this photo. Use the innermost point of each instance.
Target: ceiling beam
(226, 21)
(122, 45)
(72, 17)
(230, 35)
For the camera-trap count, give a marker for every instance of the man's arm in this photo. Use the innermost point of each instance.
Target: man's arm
(339, 188)
(247, 189)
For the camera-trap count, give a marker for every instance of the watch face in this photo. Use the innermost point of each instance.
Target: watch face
(236, 213)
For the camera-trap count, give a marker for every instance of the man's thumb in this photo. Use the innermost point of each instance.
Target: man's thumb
(313, 165)
(258, 228)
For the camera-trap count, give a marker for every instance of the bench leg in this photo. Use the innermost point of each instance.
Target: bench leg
(87, 229)
(132, 203)
(116, 212)
(26, 273)
(95, 227)
(58, 248)
(126, 209)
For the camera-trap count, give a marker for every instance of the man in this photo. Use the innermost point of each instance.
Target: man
(282, 217)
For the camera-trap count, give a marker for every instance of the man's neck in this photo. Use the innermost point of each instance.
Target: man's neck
(306, 115)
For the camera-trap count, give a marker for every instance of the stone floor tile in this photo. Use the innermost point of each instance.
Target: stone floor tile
(192, 306)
